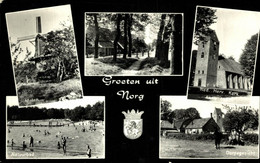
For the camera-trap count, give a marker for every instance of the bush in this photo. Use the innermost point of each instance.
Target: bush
(200, 137)
(250, 139)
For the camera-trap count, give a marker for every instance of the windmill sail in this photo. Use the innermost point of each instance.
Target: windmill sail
(38, 25)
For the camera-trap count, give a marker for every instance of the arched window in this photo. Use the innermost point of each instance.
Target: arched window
(202, 54)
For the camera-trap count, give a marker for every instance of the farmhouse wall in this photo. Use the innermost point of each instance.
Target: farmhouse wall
(221, 79)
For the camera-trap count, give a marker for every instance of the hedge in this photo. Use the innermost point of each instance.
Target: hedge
(249, 139)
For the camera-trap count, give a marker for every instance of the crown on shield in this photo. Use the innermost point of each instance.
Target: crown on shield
(133, 114)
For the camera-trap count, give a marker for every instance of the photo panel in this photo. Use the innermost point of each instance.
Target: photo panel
(224, 54)
(195, 129)
(133, 44)
(44, 55)
(72, 129)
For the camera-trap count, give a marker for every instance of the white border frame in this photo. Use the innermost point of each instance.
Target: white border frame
(57, 158)
(193, 40)
(72, 24)
(182, 73)
(195, 158)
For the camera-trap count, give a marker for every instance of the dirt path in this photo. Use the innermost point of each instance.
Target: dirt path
(133, 69)
(176, 148)
(136, 65)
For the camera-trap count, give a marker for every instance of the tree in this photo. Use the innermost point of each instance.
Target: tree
(132, 22)
(192, 113)
(129, 28)
(97, 35)
(240, 119)
(165, 106)
(169, 41)
(205, 17)
(164, 51)
(165, 109)
(90, 20)
(139, 45)
(247, 58)
(160, 36)
(176, 44)
(126, 17)
(180, 113)
(118, 34)
(61, 44)
(231, 58)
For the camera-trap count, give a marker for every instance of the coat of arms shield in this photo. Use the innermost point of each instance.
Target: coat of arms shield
(133, 124)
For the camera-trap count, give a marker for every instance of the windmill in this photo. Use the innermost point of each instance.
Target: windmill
(33, 38)
(45, 71)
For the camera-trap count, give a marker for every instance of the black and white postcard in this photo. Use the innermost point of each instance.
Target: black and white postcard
(130, 44)
(195, 129)
(44, 56)
(223, 55)
(72, 129)
(129, 81)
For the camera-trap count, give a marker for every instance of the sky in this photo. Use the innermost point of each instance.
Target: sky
(234, 28)
(70, 104)
(203, 107)
(23, 23)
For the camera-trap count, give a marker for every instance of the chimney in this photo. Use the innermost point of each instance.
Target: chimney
(210, 115)
(38, 25)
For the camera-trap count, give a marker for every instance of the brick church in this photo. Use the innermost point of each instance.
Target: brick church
(212, 71)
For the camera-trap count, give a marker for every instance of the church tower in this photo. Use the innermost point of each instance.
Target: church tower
(207, 61)
(218, 117)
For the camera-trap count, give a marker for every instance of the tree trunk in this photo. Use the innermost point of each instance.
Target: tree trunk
(159, 37)
(96, 36)
(176, 61)
(60, 71)
(130, 35)
(86, 53)
(172, 43)
(118, 34)
(165, 46)
(125, 35)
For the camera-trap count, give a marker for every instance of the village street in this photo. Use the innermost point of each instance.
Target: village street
(176, 148)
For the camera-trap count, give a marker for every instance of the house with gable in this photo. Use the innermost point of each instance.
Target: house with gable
(181, 124)
(105, 43)
(203, 125)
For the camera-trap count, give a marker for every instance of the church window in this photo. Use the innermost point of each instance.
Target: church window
(202, 55)
(215, 45)
(199, 82)
(202, 71)
(198, 71)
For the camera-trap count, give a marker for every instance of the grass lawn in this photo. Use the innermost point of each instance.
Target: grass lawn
(76, 142)
(176, 148)
(36, 93)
